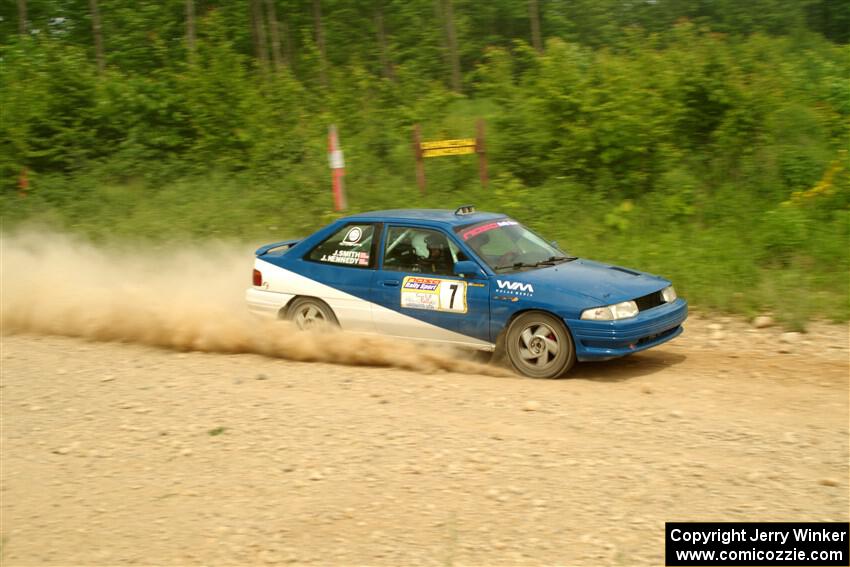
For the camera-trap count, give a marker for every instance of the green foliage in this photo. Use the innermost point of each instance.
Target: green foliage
(619, 217)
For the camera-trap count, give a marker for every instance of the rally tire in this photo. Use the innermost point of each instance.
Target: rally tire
(311, 314)
(538, 345)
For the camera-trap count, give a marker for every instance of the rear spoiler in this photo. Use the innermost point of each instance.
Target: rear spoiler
(283, 243)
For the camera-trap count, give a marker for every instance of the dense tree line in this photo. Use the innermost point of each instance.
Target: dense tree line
(86, 79)
(444, 37)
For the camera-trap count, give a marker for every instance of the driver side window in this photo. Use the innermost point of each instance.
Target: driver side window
(418, 250)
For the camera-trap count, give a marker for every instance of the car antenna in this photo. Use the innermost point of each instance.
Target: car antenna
(465, 210)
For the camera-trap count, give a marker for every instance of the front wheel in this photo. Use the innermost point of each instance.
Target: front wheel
(538, 345)
(310, 314)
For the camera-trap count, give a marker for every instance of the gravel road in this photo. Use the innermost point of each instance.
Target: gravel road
(116, 453)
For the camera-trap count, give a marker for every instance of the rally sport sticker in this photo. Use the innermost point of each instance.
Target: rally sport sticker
(433, 294)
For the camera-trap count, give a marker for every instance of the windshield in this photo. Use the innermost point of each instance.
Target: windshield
(506, 245)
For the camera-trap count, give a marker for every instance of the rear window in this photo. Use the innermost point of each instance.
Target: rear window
(350, 246)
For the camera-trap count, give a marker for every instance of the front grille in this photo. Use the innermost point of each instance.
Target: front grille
(649, 301)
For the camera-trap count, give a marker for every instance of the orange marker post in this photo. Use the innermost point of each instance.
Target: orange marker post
(337, 165)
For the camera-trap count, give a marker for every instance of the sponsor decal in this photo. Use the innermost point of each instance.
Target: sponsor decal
(422, 284)
(350, 257)
(425, 301)
(433, 294)
(352, 237)
(485, 227)
(516, 288)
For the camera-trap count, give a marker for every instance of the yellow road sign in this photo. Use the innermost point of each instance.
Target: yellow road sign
(458, 151)
(447, 144)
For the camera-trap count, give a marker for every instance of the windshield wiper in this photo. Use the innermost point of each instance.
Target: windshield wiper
(555, 260)
(551, 261)
(516, 266)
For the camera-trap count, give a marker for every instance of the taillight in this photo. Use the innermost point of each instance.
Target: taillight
(258, 278)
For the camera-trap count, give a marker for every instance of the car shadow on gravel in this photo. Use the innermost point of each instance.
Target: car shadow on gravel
(621, 369)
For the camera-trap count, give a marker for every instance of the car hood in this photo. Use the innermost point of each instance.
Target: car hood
(601, 282)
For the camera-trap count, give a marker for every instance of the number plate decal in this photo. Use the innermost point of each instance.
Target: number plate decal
(434, 294)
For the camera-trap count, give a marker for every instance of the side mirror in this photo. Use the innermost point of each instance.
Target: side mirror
(467, 268)
(554, 243)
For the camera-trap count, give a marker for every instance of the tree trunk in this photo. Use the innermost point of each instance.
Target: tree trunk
(98, 36)
(274, 33)
(190, 27)
(386, 61)
(451, 42)
(438, 11)
(534, 15)
(320, 41)
(258, 33)
(288, 54)
(22, 17)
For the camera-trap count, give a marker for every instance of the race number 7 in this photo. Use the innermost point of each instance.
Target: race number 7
(453, 296)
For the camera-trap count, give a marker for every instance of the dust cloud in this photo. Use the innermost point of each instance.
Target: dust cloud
(182, 298)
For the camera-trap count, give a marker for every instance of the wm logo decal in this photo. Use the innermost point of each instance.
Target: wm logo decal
(516, 286)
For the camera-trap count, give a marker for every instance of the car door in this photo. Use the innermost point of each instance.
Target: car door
(417, 295)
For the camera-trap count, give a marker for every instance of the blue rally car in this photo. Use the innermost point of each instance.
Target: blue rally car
(465, 278)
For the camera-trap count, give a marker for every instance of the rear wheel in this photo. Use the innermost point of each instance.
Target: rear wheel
(538, 345)
(310, 314)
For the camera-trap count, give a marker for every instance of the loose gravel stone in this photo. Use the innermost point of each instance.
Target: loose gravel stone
(790, 338)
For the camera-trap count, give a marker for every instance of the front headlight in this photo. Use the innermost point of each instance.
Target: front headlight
(622, 310)
(669, 294)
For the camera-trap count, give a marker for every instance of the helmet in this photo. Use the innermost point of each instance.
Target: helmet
(430, 245)
(435, 241)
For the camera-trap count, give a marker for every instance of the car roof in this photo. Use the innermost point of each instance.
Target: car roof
(431, 216)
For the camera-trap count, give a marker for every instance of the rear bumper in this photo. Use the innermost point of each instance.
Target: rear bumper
(600, 340)
(266, 303)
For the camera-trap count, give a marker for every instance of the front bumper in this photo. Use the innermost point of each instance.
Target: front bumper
(600, 340)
